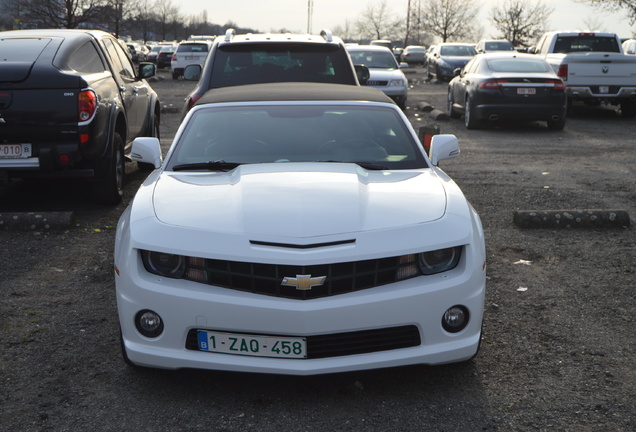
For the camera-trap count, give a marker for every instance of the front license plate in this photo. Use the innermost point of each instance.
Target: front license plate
(526, 91)
(15, 151)
(252, 345)
(603, 89)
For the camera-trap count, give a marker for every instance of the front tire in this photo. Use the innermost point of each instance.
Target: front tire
(111, 189)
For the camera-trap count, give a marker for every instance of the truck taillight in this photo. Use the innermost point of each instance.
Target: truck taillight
(563, 72)
(86, 105)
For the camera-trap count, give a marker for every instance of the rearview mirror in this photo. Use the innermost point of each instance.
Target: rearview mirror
(192, 72)
(443, 147)
(363, 74)
(147, 150)
(147, 70)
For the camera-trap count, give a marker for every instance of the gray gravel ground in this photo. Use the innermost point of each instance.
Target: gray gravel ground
(558, 352)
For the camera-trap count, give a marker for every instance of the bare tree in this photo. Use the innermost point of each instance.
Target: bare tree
(592, 22)
(627, 6)
(142, 16)
(167, 15)
(450, 19)
(375, 22)
(64, 13)
(346, 32)
(520, 21)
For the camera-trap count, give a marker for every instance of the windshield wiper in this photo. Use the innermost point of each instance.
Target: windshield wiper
(372, 166)
(366, 165)
(219, 165)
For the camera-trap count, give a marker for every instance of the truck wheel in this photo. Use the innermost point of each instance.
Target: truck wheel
(111, 189)
(628, 108)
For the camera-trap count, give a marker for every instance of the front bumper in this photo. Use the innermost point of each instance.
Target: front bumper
(186, 306)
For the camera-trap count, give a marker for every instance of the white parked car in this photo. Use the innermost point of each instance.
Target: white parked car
(187, 53)
(319, 239)
(384, 71)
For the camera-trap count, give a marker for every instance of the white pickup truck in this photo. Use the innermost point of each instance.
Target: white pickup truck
(593, 66)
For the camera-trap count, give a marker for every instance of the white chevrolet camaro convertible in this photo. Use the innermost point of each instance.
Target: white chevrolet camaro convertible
(298, 228)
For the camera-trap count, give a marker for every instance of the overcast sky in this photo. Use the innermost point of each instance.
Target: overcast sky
(266, 15)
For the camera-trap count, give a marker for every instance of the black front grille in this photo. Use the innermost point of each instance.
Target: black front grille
(378, 83)
(267, 279)
(350, 343)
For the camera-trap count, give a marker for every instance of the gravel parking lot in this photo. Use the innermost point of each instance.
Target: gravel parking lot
(558, 351)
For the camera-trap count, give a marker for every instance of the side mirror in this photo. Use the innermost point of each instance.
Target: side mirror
(362, 73)
(147, 70)
(147, 150)
(443, 147)
(457, 71)
(404, 65)
(532, 50)
(192, 72)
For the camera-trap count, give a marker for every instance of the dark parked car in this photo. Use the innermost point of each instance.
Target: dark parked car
(414, 54)
(264, 58)
(447, 57)
(71, 102)
(164, 56)
(493, 45)
(502, 86)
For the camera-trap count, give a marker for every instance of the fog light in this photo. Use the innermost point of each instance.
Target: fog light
(455, 319)
(149, 323)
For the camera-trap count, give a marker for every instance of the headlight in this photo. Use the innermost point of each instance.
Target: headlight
(428, 263)
(164, 264)
(397, 83)
(440, 260)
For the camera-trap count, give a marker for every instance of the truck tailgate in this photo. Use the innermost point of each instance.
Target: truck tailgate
(610, 68)
(34, 115)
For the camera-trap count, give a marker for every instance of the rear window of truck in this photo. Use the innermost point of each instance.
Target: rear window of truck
(586, 43)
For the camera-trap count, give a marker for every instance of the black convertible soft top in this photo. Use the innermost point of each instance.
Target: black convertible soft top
(293, 91)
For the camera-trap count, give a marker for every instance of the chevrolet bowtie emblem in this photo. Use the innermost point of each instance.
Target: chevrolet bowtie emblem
(304, 282)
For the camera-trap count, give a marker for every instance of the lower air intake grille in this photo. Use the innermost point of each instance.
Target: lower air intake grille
(342, 344)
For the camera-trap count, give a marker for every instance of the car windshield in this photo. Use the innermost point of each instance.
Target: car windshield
(518, 65)
(499, 46)
(374, 59)
(220, 137)
(193, 48)
(458, 50)
(255, 63)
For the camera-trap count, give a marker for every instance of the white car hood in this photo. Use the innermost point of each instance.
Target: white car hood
(298, 200)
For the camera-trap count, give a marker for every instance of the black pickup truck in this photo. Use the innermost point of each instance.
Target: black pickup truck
(71, 102)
